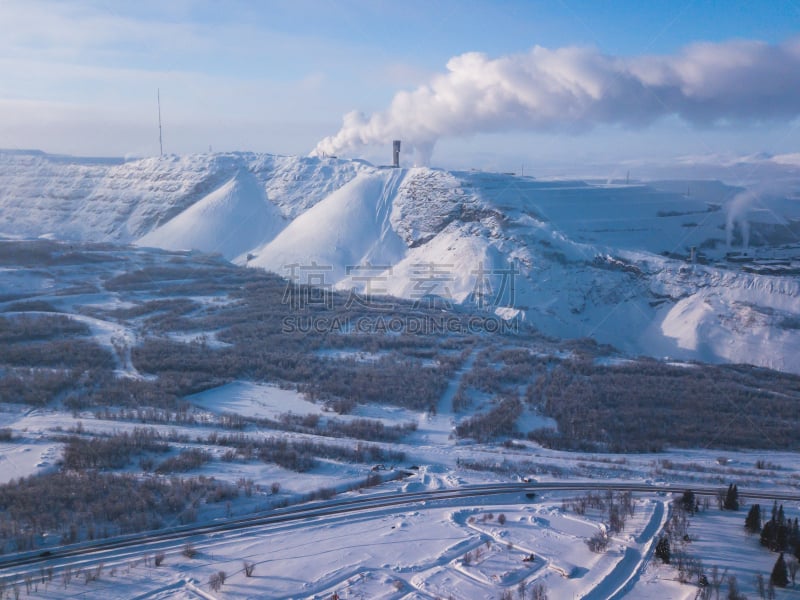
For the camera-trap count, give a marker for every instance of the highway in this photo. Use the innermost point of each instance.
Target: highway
(146, 542)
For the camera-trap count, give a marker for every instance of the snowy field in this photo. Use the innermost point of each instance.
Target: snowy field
(439, 549)
(487, 549)
(254, 400)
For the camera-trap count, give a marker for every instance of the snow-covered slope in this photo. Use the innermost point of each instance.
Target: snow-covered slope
(348, 228)
(572, 258)
(230, 220)
(121, 201)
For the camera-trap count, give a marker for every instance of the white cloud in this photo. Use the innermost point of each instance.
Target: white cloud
(579, 88)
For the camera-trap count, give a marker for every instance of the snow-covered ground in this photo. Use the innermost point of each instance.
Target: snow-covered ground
(480, 548)
(441, 549)
(608, 261)
(585, 260)
(254, 400)
(719, 539)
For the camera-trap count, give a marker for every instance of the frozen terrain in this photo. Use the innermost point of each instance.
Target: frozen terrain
(604, 260)
(135, 303)
(468, 548)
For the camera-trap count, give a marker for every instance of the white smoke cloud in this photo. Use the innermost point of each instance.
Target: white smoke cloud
(765, 202)
(573, 89)
(738, 209)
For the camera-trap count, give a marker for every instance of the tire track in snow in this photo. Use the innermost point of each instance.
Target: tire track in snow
(114, 337)
(628, 569)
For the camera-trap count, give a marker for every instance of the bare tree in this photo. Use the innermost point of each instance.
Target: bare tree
(539, 591)
(216, 581)
(616, 518)
(598, 542)
(716, 579)
(761, 586)
(66, 577)
(792, 565)
(733, 589)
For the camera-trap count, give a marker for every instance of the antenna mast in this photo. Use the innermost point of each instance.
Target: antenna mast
(160, 143)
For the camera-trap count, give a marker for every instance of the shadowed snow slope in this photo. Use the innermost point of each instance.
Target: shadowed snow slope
(349, 228)
(230, 220)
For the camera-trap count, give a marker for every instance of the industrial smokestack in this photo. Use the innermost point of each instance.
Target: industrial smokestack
(396, 153)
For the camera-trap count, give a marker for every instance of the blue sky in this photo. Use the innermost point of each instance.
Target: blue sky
(80, 77)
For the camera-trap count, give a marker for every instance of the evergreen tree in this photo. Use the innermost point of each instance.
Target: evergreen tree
(777, 533)
(662, 549)
(780, 575)
(768, 534)
(753, 520)
(688, 501)
(781, 538)
(732, 498)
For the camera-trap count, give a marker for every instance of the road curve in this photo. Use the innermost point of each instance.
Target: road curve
(341, 507)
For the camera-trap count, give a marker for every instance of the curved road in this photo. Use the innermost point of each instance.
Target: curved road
(144, 541)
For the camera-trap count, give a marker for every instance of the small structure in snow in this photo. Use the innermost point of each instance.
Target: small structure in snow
(396, 153)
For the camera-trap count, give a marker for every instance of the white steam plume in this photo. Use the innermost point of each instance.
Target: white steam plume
(571, 89)
(761, 198)
(737, 210)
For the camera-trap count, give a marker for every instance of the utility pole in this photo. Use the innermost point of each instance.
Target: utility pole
(160, 142)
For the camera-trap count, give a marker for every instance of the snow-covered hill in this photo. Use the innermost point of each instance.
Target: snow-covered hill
(609, 261)
(121, 201)
(230, 220)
